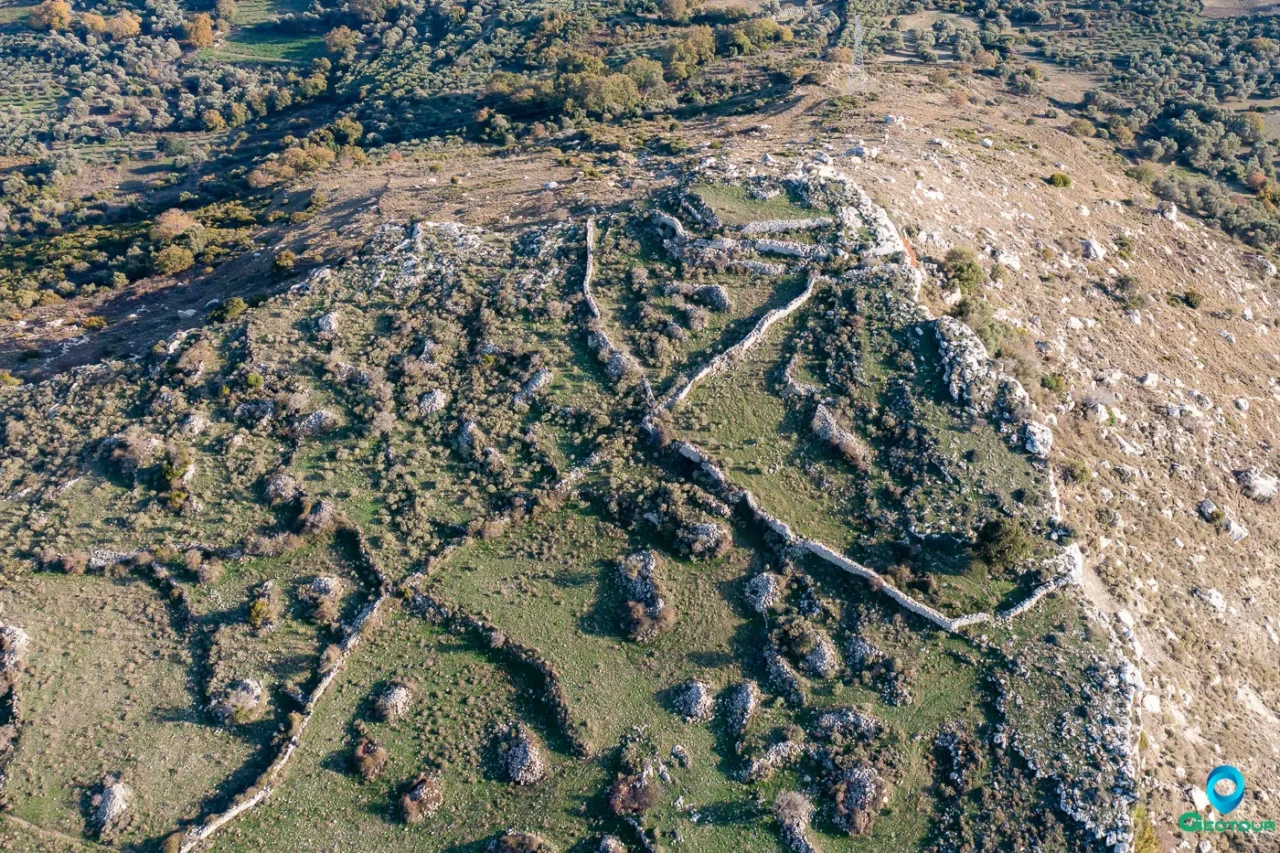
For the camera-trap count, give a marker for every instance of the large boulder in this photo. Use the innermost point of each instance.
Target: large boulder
(1257, 485)
(109, 804)
(14, 643)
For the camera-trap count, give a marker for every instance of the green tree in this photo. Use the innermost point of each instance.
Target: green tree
(172, 260)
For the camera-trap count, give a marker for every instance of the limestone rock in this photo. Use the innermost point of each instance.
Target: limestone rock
(431, 402)
(522, 761)
(764, 591)
(741, 703)
(1258, 485)
(1038, 439)
(694, 702)
(393, 703)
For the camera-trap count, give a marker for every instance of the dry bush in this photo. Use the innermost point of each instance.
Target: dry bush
(74, 562)
(513, 841)
(265, 607)
(632, 795)
(369, 758)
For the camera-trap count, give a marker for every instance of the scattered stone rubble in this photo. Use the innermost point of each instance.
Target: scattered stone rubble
(521, 759)
(393, 703)
(241, 702)
(422, 800)
(648, 613)
(741, 702)
(694, 702)
(860, 794)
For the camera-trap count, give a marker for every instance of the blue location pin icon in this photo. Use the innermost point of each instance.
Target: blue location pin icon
(1225, 803)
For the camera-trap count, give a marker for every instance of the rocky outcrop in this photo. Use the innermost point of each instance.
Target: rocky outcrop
(740, 704)
(393, 702)
(794, 813)
(431, 402)
(242, 702)
(777, 757)
(535, 383)
(764, 591)
(826, 428)
(109, 805)
(965, 365)
(14, 644)
(648, 613)
(422, 799)
(848, 725)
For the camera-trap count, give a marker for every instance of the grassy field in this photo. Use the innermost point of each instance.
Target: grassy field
(112, 692)
(253, 12)
(15, 14)
(733, 206)
(262, 45)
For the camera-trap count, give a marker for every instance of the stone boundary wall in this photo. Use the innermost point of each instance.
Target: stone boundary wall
(266, 782)
(607, 345)
(782, 226)
(457, 621)
(725, 359)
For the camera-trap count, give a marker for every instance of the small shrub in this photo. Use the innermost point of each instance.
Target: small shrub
(1128, 293)
(1082, 127)
(962, 269)
(1193, 298)
(229, 310)
(172, 260)
(209, 572)
(1058, 179)
(94, 323)
(1076, 471)
(285, 261)
(1054, 383)
(75, 562)
(632, 795)
(265, 608)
